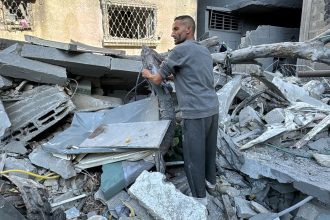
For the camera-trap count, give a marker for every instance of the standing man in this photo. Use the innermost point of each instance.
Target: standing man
(192, 67)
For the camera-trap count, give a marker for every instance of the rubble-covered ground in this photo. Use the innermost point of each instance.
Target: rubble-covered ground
(83, 138)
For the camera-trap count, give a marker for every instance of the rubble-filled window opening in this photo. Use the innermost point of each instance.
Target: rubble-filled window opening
(16, 15)
(129, 24)
(219, 20)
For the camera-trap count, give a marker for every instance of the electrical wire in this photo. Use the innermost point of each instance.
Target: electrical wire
(46, 177)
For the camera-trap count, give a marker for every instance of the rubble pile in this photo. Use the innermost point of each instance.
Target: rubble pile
(77, 142)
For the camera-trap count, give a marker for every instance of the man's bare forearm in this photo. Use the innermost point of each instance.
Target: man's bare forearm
(154, 78)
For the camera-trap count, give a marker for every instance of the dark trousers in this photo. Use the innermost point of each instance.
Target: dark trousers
(199, 140)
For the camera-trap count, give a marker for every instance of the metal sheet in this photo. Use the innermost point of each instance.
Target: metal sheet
(128, 135)
(84, 123)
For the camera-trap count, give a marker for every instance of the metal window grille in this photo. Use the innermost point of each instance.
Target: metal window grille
(223, 21)
(129, 23)
(16, 15)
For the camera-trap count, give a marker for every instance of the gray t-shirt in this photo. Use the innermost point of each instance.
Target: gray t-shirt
(192, 67)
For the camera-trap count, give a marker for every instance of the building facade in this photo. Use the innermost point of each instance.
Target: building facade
(118, 24)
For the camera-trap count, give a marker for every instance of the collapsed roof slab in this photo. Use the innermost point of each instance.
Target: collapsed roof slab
(39, 109)
(15, 66)
(86, 64)
(305, 174)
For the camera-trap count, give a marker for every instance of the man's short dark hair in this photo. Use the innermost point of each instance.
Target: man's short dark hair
(188, 20)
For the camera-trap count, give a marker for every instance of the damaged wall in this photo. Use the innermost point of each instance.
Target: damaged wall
(82, 20)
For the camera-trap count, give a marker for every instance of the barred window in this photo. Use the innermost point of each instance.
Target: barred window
(16, 15)
(129, 24)
(223, 21)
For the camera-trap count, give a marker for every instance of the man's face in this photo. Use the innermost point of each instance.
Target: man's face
(179, 31)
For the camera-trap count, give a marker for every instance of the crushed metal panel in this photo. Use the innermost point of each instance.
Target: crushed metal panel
(5, 122)
(128, 135)
(41, 108)
(84, 123)
(15, 66)
(86, 64)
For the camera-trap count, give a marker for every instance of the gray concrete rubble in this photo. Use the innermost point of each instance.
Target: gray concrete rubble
(12, 163)
(15, 147)
(88, 103)
(5, 82)
(16, 66)
(41, 108)
(5, 122)
(46, 160)
(162, 200)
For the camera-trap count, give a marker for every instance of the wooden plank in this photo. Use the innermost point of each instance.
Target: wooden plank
(135, 135)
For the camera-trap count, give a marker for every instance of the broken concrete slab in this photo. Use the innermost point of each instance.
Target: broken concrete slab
(5, 83)
(39, 109)
(243, 208)
(49, 43)
(87, 48)
(313, 211)
(322, 159)
(46, 160)
(162, 200)
(19, 164)
(84, 123)
(16, 66)
(86, 64)
(15, 147)
(308, 177)
(229, 91)
(5, 122)
(136, 135)
(320, 144)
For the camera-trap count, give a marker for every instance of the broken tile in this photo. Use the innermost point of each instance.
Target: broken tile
(44, 159)
(162, 200)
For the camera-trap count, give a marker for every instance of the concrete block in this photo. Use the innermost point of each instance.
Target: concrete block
(46, 160)
(15, 147)
(39, 109)
(247, 116)
(16, 66)
(276, 115)
(163, 201)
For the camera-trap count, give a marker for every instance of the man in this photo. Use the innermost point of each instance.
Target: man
(192, 67)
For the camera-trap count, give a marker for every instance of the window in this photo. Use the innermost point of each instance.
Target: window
(223, 21)
(129, 24)
(15, 15)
